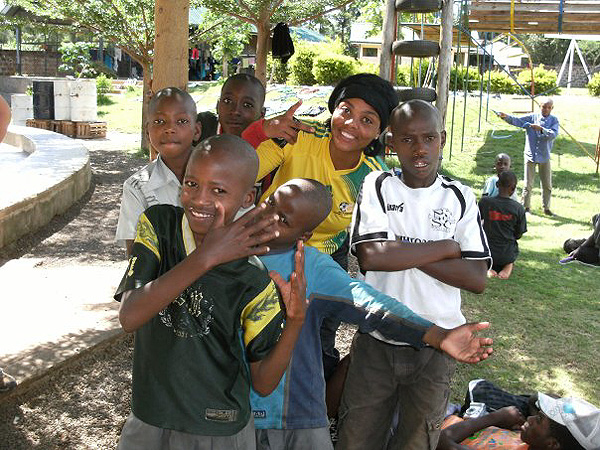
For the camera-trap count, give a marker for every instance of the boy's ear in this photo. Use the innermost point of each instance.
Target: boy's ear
(442, 139)
(197, 131)
(249, 198)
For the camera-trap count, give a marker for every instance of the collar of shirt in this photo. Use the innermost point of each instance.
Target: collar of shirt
(161, 175)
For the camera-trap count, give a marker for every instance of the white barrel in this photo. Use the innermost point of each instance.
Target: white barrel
(62, 99)
(21, 106)
(83, 100)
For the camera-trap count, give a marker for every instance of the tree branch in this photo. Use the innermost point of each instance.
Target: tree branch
(314, 16)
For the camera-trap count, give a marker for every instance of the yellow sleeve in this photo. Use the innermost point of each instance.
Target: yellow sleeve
(270, 156)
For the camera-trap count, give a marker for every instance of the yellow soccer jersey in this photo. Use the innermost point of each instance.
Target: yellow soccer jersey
(309, 157)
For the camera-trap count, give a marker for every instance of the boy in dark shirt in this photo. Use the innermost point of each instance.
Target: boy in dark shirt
(504, 222)
(207, 319)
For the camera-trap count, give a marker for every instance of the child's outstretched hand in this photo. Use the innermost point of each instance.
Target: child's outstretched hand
(241, 238)
(286, 126)
(293, 291)
(463, 345)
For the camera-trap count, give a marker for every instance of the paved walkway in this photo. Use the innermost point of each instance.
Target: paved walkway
(57, 284)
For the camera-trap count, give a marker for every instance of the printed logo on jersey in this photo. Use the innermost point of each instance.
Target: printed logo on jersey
(442, 220)
(190, 314)
(346, 208)
(260, 413)
(395, 208)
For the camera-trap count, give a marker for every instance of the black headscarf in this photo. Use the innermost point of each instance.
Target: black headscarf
(375, 91)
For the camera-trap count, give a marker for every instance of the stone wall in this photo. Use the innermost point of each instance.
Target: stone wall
(38, 63)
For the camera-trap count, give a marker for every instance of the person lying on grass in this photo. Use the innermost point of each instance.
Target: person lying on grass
(559, 424)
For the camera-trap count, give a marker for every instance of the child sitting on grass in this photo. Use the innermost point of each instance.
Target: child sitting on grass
(294, 416)
(504, 222)
(207, 319)
(490, 188)
(172, 129)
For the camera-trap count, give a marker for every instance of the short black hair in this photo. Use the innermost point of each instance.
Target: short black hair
(176, 93)
(234, 148)
(416, 108)
(247, 78)
(507, 179)
(564, 437)
(209, 122)
(319, 197)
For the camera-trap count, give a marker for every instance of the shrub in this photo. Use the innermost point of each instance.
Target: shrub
(545, 80)
(458, 77)
(366, 67)
(331, 69)
(103, 87)
(594, 85)
(301, 66)
(500, 82)
(403, 75)
(277, 71)
(76, 59)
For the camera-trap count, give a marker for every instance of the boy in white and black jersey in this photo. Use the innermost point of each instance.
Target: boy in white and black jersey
(418, 237)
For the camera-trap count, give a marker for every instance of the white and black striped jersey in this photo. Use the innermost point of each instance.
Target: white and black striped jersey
(387, 209)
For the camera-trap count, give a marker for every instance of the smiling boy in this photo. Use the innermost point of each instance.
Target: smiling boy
(171, 128)
(418, 238)
(202, 312)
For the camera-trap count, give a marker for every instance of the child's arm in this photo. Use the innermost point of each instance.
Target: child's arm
(284, 126)
(508, 417)
(354, 301)
(468, 274)
(132, 207)
(223, 243)
(395, 255)
(267, 372)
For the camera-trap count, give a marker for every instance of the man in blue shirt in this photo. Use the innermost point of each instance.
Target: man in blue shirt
(541, 129)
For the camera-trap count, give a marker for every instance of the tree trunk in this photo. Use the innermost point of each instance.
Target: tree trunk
(170, 66)
(389, 34)
(225, 68)
(262, 49)
(445, 61)
(146, 95)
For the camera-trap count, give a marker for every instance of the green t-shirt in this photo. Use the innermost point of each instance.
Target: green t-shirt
(189, 363)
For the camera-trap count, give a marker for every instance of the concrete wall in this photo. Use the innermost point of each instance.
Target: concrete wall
(55, 175)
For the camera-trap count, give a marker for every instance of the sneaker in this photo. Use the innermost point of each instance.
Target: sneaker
(567, 260)
(7, 382)
(548, 212)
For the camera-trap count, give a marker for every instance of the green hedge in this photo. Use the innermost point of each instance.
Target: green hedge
(500, 82)
(458, 76)
(277, 72)
(301, 66)
(594, 85)
(545, 80)
(331, 69)
(403, 76)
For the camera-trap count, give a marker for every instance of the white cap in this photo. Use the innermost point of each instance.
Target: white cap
(581, 418)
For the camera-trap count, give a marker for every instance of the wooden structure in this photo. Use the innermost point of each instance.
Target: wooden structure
(535, 16)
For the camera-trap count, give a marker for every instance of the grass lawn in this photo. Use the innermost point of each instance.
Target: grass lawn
(545, 319)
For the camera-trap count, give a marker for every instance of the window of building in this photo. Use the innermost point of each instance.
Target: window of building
(369, 52)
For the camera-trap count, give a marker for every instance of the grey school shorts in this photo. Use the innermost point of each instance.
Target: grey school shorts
(138, 435)
(304, 439)
(384, 378)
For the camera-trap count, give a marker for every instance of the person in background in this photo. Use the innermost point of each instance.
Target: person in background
(541, 131)
(490, 188)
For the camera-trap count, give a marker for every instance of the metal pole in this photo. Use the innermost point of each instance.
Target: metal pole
(466, 88)
(18, 53)
(490, 65)
(480, 68)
